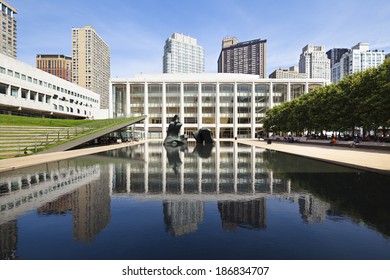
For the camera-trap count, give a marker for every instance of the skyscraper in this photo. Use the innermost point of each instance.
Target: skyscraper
(182, 54)
(335, 54)
(357, 59)
(314, 62)
(8, 30)
(57, 64)
(91, 62)
(244, 58)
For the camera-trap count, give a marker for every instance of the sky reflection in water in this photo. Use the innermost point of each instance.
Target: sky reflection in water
(227, 201)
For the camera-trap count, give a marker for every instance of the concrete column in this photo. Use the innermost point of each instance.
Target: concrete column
(164, 112)
(235, 111)
(253, 111)
(200, 122)
(127, 106)
(289, 91)
(217, 113)
(306, 87)
(146, 110)
(182, 106)
(271, 95)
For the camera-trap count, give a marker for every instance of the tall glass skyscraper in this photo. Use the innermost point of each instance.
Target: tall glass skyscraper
(182, 54)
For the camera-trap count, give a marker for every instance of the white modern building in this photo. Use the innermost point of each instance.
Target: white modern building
(284, 73)
(358, 59)
(231, 105)
(182, 54)
(27, 90)
(314, 62)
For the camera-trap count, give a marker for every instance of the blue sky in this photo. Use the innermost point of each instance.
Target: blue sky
(136, 30)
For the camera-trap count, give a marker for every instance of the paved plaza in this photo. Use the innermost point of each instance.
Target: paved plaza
(368, 159)
(374, 160)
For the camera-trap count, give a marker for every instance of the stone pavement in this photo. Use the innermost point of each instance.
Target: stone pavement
(373, 160)
(378, 161)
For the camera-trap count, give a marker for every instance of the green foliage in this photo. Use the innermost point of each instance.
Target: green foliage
(9, 120)
(359, 100)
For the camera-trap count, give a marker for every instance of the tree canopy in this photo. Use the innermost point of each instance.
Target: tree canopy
(359, 100)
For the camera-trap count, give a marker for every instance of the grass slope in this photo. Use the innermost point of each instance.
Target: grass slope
(8, 120)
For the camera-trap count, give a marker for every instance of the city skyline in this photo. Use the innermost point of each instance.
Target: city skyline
(136, 31)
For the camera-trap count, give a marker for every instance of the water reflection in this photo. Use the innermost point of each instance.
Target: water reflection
(240, 180)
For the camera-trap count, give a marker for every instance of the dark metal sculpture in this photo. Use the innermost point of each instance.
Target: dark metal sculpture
(173, 138)
(203, 136)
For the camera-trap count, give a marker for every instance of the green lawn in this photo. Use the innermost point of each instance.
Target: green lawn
(30, 121)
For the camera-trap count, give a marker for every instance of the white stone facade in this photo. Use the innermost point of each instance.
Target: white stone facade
(231, 105)
(314, 62)
(28, 90)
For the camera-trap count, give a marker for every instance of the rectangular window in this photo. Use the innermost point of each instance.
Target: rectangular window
(226, 88)
(190, 88)
(2, 70)
(208, 88)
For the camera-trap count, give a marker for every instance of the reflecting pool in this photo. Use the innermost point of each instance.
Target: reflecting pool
(226, 201)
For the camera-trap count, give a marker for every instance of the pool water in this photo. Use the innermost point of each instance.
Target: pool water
(226, 201)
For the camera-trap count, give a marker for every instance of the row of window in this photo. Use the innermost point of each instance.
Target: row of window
(44, 84)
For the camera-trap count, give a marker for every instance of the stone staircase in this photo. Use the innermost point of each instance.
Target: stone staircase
(20, 140)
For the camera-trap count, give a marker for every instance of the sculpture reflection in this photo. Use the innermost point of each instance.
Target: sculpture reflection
(203, 150)
(174, 156)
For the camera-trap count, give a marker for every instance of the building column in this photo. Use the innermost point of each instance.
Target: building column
(271, 95)
(181, 116)
(164, 112)
(235, 111)
(288, 91)
(146, 110)
(306, 87)
(217, 113)
(253, 112)
(200, 123)
(127, 106)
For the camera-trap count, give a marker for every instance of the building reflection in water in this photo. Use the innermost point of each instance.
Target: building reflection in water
(67, 187)
(182, 217)
(239, 178)
(8, 240)
(245, 214)
(234, 175)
